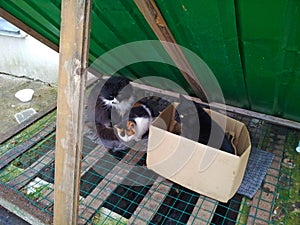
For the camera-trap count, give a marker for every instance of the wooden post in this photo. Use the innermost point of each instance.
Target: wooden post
(74, 49)
(159, 26)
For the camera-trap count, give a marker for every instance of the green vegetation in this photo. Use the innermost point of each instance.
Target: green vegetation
(30, 156)
(107, 217)
(9, 173)
(243, 212)
(27, 133)
(36, 189)
(288, 203)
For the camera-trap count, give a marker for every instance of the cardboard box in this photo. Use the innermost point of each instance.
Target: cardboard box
(203, 169)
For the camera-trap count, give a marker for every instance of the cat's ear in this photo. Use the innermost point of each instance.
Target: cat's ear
(130, 124)
(124, 81)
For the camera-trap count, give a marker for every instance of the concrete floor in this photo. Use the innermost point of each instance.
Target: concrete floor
(8, 218)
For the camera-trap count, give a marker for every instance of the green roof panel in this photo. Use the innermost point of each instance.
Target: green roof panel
(252, 47)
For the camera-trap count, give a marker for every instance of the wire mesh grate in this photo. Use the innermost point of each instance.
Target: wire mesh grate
(116, 188)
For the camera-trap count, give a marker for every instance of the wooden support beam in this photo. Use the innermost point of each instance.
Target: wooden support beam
(159, 26)
(272, 119)
(19, 205)
(74, 46)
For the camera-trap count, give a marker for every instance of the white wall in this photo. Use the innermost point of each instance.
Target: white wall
(28, 57)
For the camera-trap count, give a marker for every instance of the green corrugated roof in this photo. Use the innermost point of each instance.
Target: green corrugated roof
(252, 47)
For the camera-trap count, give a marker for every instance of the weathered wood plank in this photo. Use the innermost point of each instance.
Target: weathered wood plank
(151, 202)
(88, 162)
(25, 146)
(20, 127)
(111, 181)
(74, 49)
(92, 158)
(22, 207)
(159, 26)
(203, 211)
(32, 171)
(47, 159)
(236, 110)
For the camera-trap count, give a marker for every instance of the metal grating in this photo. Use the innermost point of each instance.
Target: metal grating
(116, 188)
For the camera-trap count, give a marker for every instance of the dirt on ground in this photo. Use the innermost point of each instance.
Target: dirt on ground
(44, 96)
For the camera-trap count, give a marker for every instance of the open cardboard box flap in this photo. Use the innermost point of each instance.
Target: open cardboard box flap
(201, 168)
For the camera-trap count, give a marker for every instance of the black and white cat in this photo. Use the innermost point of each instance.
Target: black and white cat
(197, 125)
(136, 124)
(113, 102)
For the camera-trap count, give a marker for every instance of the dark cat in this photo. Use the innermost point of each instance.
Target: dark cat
(197, 125)
(113, 102)
(136, 125)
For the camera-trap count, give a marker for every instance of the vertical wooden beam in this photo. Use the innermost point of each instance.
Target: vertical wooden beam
(74, 48)
(159, 26)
